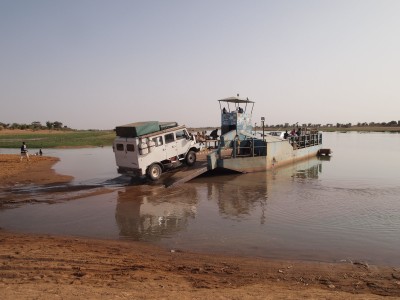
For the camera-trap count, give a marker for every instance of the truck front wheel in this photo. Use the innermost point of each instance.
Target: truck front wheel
(154, 172)
(190, 158)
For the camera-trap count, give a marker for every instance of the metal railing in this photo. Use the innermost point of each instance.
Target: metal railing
(306, 140)
(250, 149)
(256, 147)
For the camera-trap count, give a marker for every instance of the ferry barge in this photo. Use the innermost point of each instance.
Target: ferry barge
(241, 150)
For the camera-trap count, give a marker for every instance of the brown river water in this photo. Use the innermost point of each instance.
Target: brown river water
(344, 208)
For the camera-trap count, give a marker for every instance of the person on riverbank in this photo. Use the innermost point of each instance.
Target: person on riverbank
(24, 152)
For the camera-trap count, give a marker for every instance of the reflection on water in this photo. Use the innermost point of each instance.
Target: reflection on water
(240, 214)
(156, 215)
(346, 207)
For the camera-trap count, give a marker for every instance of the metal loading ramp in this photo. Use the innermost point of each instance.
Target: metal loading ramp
(185, 174)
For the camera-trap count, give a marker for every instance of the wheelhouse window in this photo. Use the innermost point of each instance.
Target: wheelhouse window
(169, 138)
(120, 147)
(130, 147)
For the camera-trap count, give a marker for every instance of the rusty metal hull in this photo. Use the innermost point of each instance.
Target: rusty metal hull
(278, 154)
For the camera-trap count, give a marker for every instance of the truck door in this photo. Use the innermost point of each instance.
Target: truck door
(157, 149)
(170, 145)
(125, 153)
(182, 141)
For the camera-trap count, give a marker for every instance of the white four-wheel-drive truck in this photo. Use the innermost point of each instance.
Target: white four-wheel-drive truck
(150, 148)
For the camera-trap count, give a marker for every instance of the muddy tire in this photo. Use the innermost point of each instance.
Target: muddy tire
(190, 158)
(154, 172)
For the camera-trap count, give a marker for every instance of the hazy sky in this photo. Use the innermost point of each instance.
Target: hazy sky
(100, 64)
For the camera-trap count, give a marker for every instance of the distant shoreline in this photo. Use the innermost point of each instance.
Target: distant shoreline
(36, 139)
(322, 128)
(17, 132)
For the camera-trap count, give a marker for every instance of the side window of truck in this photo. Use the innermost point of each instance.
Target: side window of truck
(130, 147)
(158, 141)
(181, 134)
(120, 147)
(169, 138)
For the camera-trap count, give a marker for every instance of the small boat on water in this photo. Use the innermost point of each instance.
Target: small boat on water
(242, 151)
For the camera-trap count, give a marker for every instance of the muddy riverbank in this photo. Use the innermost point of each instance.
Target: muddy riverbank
(40, 266)
(44, 266)
(38, 170)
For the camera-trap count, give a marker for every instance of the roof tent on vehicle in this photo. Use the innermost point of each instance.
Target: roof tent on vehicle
(138, 129)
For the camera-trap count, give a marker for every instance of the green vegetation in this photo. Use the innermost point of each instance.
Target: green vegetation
(68, 138)
(53, 139)
(36, 125)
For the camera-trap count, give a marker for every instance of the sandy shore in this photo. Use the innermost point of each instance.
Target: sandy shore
(41, 266)
(37, 170)
(38, 266)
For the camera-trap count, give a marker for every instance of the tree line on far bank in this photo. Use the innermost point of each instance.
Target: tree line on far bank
(56, 125)
(339, 125)
(36, 125)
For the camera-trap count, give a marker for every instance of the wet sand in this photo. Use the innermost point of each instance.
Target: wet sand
(42, 266)
(37, 170)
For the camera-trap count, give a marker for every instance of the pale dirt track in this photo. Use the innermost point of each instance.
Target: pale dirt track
(49, 267)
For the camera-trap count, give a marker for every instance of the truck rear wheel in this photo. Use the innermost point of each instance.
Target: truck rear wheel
(190, 158)
(154, 172)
